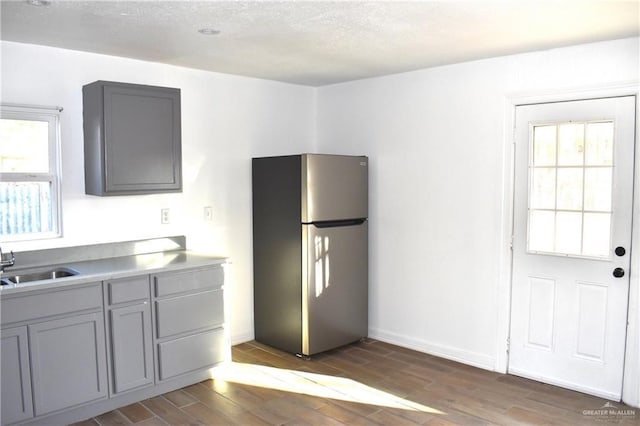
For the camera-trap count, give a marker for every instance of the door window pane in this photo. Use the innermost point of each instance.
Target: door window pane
(541, 231)
(598, 189)
(597, 234)
(544, 146)
(568, 232)
(599, 144)
(571, 189)
(543, 190)
(570, 144)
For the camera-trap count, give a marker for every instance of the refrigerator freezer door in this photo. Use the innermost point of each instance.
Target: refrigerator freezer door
(335, 287)
(334, 187)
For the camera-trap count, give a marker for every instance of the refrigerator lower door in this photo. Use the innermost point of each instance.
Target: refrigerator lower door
(335, 286)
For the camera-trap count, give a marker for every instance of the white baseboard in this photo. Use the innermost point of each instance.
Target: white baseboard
(475, 359)
(466, 357)
(236, 339)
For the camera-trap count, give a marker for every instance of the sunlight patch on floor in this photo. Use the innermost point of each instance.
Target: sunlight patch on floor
(313, 384)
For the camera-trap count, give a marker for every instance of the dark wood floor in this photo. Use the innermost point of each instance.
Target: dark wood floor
(367, 383)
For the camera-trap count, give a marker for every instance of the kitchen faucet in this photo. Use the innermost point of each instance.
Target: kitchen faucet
(6, 263)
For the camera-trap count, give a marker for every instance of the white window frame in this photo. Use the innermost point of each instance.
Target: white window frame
(52, 116)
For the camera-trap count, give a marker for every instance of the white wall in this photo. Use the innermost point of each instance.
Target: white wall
(437, 144)
(436, 139)
(226, 120)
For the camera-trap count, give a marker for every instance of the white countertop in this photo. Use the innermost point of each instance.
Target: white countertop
(112, 268)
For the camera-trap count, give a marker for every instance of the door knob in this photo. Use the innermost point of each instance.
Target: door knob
(620, 251)
(618, 272)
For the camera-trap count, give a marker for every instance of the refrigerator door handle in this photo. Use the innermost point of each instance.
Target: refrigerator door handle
(336, 223)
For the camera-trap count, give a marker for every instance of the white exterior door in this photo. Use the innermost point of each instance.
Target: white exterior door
(571, 243)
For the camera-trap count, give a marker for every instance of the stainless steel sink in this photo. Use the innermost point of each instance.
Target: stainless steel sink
(38, 276)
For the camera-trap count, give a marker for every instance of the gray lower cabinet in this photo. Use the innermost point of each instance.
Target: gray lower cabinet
(16, 376)
(68, 363)
(129, 313)
(189, 319)
(72, 352)
(53, 351)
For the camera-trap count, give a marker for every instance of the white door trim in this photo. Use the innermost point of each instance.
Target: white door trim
(631, 385)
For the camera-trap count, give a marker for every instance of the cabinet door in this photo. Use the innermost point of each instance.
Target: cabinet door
(142, 138)
(132, 139)
(131, 347)
(16, 379)
(68, 362)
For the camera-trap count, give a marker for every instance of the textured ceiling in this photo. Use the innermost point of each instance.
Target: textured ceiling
(316, 42)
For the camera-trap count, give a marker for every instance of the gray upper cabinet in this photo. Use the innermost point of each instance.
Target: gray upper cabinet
(132, 139)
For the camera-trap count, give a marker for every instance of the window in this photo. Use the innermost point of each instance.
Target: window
(571, 186)
(29, 173)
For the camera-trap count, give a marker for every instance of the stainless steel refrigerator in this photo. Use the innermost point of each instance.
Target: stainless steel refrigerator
(310, 250)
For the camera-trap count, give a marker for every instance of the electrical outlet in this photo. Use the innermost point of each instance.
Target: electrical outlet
(164, 216)
(208, 214)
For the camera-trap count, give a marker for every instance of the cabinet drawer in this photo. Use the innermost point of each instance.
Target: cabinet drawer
(128, 290)
(188, 313)
(180, 282)
(55, 302)
(190, 353)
